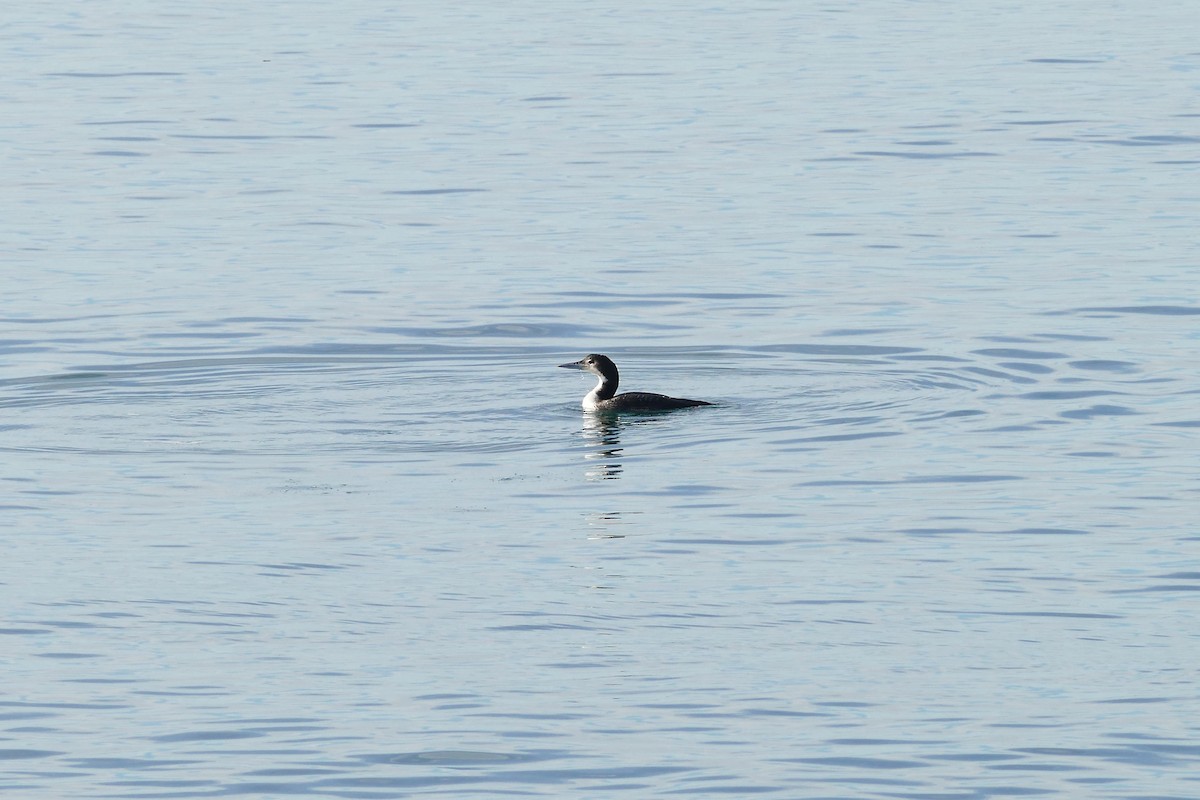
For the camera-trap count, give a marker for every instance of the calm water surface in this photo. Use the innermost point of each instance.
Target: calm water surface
(295, 501)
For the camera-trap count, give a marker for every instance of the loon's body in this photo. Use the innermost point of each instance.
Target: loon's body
(605, 398)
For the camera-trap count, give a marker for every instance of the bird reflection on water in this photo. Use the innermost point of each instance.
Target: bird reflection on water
(603, 436)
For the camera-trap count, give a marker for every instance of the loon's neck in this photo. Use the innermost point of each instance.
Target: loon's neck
(605, 389)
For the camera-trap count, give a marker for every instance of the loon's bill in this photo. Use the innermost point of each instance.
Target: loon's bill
(605, 398)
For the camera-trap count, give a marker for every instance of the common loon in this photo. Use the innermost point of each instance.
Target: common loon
(602, 397)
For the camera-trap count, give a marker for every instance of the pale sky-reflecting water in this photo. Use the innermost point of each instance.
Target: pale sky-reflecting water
(297, 503)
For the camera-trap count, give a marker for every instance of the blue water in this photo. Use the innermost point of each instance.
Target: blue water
(296, 502)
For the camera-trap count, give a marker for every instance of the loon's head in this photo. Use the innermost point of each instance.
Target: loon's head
(595, 364)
